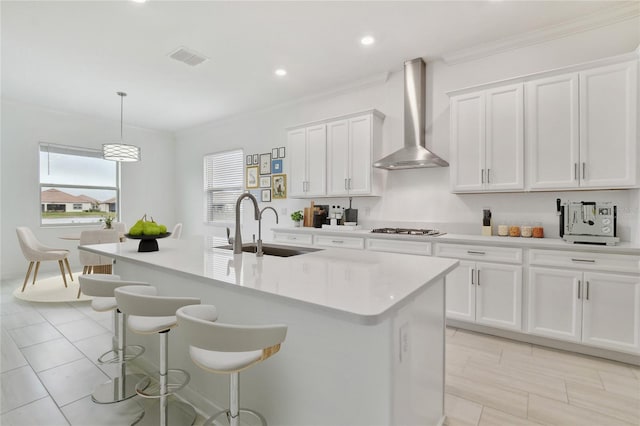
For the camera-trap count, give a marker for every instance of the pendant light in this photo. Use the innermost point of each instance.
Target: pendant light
(120, 151)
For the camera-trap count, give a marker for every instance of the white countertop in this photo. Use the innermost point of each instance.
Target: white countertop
(542, 243)
(364, 285)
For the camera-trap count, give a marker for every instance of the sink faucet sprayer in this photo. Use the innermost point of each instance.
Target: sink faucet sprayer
(259, 251)
(237, 241)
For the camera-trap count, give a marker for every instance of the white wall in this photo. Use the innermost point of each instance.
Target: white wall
(413, 197)
(147, 186)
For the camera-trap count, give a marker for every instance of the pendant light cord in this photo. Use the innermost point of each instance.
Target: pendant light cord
(122, 95)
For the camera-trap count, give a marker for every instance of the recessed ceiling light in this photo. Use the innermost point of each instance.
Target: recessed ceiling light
(367, 40)
(281, 72)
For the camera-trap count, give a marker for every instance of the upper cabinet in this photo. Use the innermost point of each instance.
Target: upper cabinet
(350, 151)
(334, 157)
(574, 128)
(487, 140)
(307, 148)
(581, 129)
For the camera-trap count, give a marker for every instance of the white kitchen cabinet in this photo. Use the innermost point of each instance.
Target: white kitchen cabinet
(461, 292)
(486, 293)
(581, 129)
(487, 137)
(554, 305)
(422, 248)
(587, 307)
(292, 238)
(307, 150)
(338, 241)
(350, 150)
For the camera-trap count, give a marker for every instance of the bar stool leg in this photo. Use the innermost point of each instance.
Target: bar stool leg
(165, 412)
(234, 396)
(124, 385)
(234, 411)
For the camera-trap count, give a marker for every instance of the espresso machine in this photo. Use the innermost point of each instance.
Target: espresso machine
(588, 222)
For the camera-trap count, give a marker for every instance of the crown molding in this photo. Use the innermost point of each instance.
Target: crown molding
(600, 18)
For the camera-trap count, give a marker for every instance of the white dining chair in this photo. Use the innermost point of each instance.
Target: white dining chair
(177, 231)
(95, 263)
(35, 252)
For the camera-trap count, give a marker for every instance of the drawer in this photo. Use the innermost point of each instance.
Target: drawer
(284, 237)
(338, 241)
(585, 261)
(482, 253)
(399, 246)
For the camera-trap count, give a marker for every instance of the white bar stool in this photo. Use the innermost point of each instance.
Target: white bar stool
(150, 314)
(102, 288)
(228, 349)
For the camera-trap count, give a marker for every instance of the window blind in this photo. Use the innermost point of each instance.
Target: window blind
(223, 183)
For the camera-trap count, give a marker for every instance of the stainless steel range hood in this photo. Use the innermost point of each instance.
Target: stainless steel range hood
(414, 154)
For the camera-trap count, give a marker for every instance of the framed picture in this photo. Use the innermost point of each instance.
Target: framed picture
(249, 160)
(265, 181)
(255, 159)
(265, 164)
(252, 177)
(281, 152)
(276, 166)
(279, 186)
(265, 195)
(274, 153)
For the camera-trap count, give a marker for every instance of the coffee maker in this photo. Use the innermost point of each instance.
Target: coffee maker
(588, 222)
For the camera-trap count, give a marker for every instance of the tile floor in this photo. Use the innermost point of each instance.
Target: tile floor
(48, 370)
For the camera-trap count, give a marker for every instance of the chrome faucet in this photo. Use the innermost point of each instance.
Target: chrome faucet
(259, 248)
(237, 241)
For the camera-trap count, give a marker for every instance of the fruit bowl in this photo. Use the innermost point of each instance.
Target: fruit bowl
(147, 242)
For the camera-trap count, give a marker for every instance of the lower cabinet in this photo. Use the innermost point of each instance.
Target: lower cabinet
(598, 309)
(486, 293)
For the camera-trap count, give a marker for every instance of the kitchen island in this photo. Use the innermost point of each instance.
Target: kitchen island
(365, 344)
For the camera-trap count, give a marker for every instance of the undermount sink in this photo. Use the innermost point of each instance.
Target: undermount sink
(273, 249)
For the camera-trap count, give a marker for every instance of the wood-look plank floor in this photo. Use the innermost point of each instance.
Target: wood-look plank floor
(492, 381)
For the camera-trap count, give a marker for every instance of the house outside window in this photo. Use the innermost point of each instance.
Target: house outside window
(77, 186)
(223, 184)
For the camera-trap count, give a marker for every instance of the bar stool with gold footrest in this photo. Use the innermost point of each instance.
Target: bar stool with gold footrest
(228, 349)
(102, 287)
(151, 314)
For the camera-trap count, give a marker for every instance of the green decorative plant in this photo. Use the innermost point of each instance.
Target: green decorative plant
(107, 221)
(297, 216)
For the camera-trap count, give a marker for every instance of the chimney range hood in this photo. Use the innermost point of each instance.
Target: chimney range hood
(414, 154)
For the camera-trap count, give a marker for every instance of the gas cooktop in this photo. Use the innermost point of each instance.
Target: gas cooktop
(408, 231)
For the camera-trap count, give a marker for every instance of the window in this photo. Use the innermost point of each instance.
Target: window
(223, 183)
(77, 186)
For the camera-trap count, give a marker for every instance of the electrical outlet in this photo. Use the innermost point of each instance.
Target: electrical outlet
(367, 211)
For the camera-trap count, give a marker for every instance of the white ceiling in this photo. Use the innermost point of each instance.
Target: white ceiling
(74, 56)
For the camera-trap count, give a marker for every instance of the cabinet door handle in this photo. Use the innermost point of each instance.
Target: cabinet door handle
(482, 176)
(587, 290)
(472, 274)
(583, 260)
(475, 252)
(345, 183)
(478, 277)
(584, 174)
(349, 183)
(337, 241)
(579, 285)
(488, 175)
(575, 171)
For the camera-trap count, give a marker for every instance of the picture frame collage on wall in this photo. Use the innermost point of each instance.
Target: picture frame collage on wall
(264, 175)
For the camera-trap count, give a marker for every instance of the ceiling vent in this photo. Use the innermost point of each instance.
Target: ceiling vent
(187, 56)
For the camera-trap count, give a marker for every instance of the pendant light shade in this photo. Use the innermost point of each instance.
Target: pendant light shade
(119, 151)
